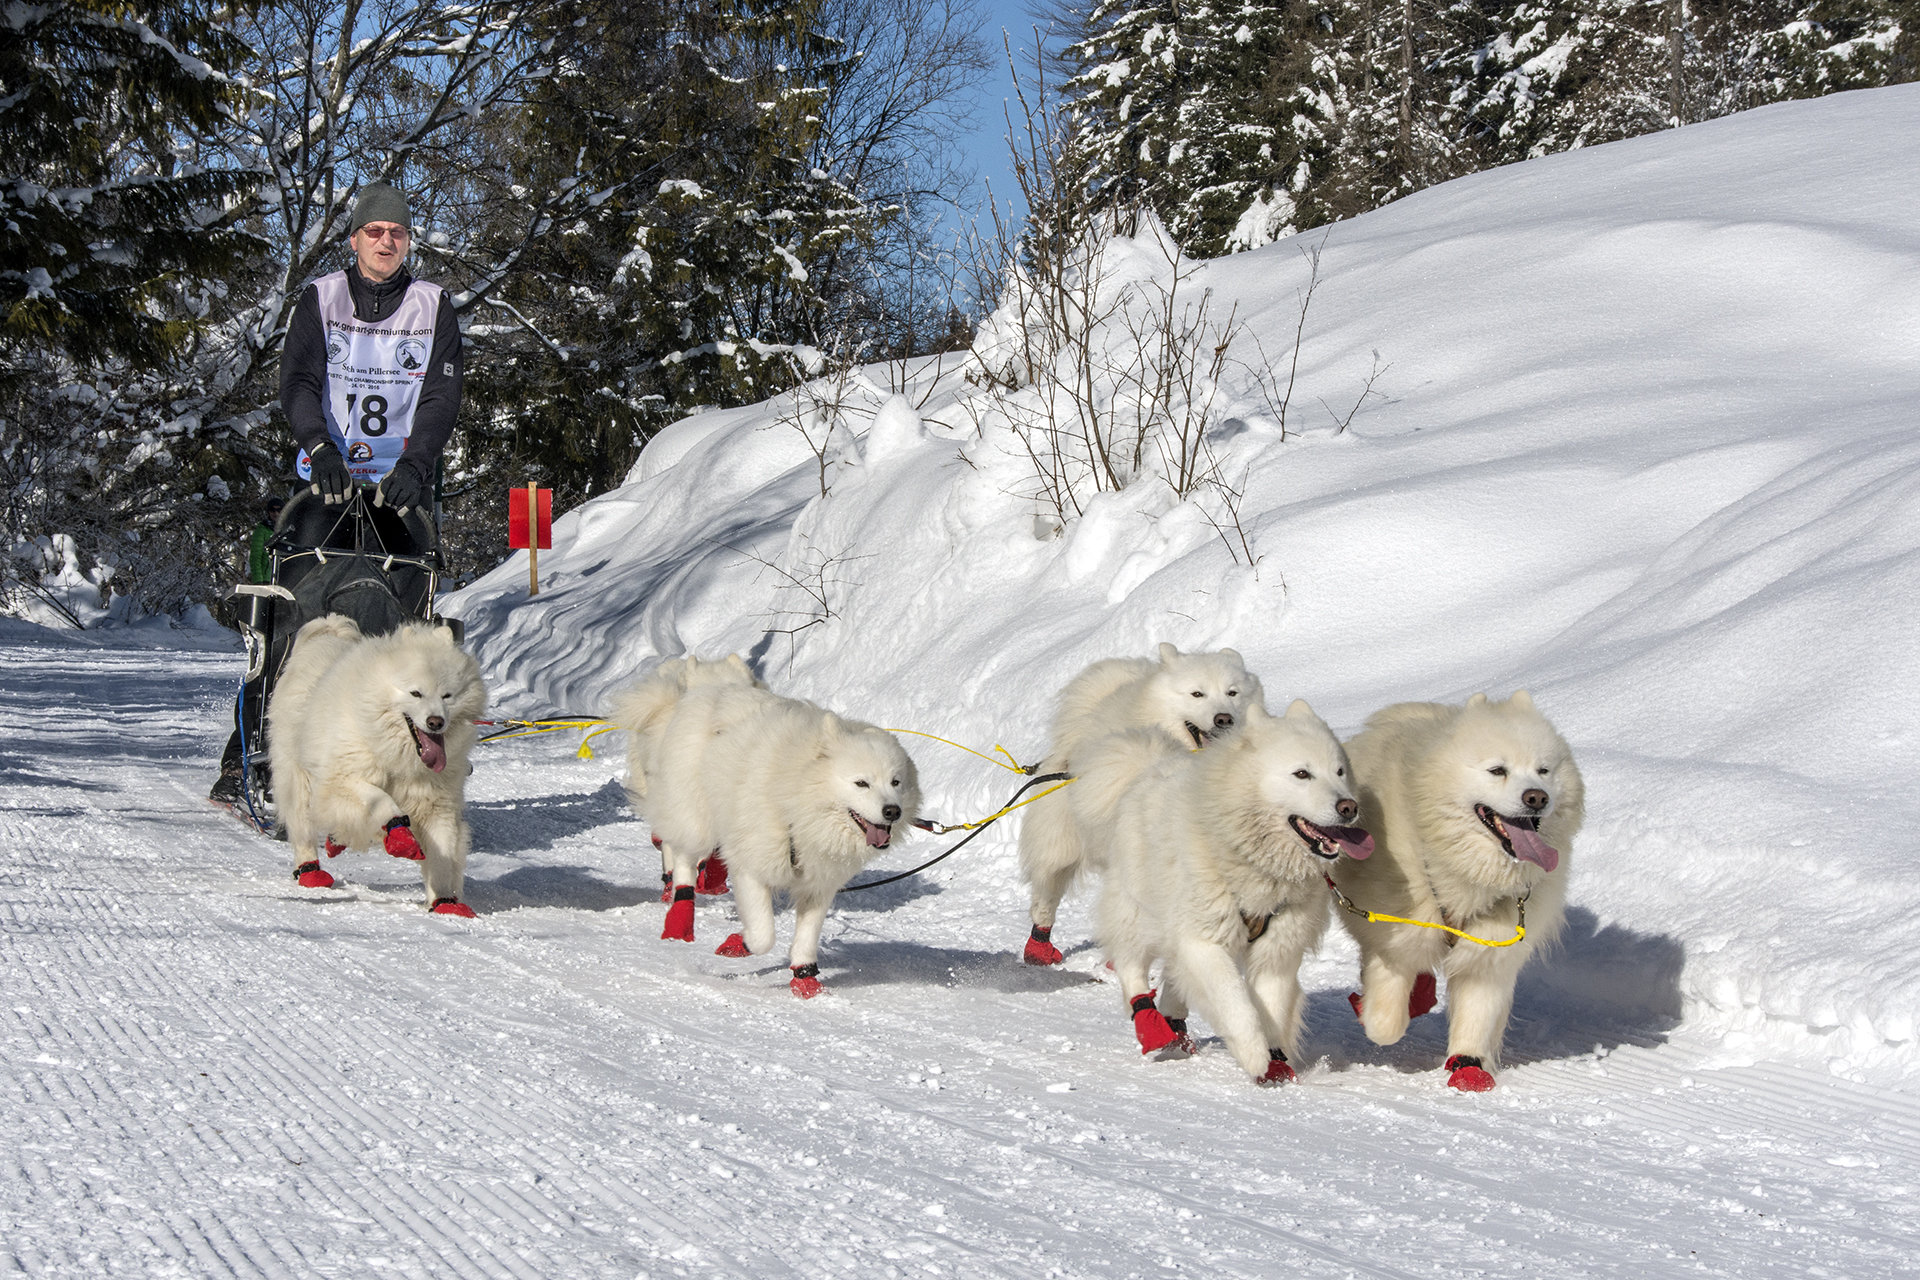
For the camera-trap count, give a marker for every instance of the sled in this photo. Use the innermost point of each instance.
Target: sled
(355, 559)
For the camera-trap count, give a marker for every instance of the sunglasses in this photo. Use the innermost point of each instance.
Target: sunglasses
(381, 233)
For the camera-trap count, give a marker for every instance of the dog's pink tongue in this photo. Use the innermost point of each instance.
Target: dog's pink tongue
(878, 837)
(1528, 845)
(433, 749)
(1355, 842)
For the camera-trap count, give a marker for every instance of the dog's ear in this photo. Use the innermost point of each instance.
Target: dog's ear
(1477, 700)
(1167, 654)
(1299, 710)
(1238, 661)
(1522, 699)
(737, 663)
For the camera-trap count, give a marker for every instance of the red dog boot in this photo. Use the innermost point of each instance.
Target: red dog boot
(1182, 1043)
(666, 886)
(399, 840)
(334, 850)
(1465, 1073)
(806, 981)
(679, 925)
(1423, 997)
(452, 907)
(1040, 948)
(1278, 1072)
(1150, 1026)
(712, 879)
(1353, 998)
(734, 948)
(308, 875)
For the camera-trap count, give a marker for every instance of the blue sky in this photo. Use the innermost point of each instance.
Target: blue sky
(985, 147)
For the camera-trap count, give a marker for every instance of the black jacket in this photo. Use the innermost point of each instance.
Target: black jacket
(303, 368)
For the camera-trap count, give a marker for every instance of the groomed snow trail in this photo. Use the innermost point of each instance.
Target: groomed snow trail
(210, 1072)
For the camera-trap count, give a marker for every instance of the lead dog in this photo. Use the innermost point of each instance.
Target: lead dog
(1216, 868)
(1188, 699)
(368, 737)
(1475, 809)
(798, 797)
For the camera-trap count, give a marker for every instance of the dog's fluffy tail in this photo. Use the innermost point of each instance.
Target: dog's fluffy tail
(645, 706)
(1108, 769)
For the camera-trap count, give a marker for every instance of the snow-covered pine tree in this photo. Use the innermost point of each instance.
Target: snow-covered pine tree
(110, 229)
(118, 236)
(1224, 117)
(696, 275)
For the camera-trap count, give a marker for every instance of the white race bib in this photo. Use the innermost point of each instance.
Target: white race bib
(374, 373)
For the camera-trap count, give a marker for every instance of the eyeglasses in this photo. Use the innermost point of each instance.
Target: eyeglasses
(372, 232)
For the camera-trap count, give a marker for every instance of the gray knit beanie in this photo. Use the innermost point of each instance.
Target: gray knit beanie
(379, 202)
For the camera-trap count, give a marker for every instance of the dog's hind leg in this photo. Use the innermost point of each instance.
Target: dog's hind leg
(754, 900)
(1050, 857)
(679, 922)
(296, 806)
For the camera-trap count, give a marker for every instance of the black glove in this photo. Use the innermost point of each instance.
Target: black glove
(404, 488)
(330, 475)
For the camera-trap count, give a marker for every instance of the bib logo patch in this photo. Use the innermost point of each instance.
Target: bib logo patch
(359, 451)
(412, 356)
(336, 347)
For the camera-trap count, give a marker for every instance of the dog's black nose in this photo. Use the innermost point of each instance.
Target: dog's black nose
(1224, 720)
(891, 813)
(436, 723)
(1349, 810)
(1534, 798)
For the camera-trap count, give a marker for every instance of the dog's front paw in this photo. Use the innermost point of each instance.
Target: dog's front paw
(1040, 949)
(452, 907)
(1465, 1073)
(1150, 1026)
(1278, 1072)
(399, 840)
(712, 880)
(308, 875)
(679, 924)
(806, 981)
(734, 948)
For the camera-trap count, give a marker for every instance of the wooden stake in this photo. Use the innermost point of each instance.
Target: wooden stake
(533, 539)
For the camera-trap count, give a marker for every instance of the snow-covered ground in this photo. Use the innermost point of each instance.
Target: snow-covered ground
(1647, 448)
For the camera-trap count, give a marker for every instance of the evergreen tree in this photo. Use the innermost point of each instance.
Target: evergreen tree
(699, 274)
(109, 232)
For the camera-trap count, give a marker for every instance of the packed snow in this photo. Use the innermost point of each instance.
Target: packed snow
(1643, 444)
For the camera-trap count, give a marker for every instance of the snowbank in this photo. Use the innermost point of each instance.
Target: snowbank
(1644, 445)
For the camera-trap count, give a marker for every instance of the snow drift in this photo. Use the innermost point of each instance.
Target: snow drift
(1643, 445)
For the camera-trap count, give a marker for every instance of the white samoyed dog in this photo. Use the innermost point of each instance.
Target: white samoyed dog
(1217, 868)
(1189, 699)
(368, 738)
(799, 798)
(644, 710)
(1475, 809)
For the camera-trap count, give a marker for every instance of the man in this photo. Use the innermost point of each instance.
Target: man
(370, 383)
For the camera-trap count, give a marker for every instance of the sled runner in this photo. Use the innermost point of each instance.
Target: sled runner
(357, 560)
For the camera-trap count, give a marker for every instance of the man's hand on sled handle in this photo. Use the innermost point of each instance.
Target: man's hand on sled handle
(331, 479)
(404, 488)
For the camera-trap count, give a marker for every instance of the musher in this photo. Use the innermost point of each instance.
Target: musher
(370, 383)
